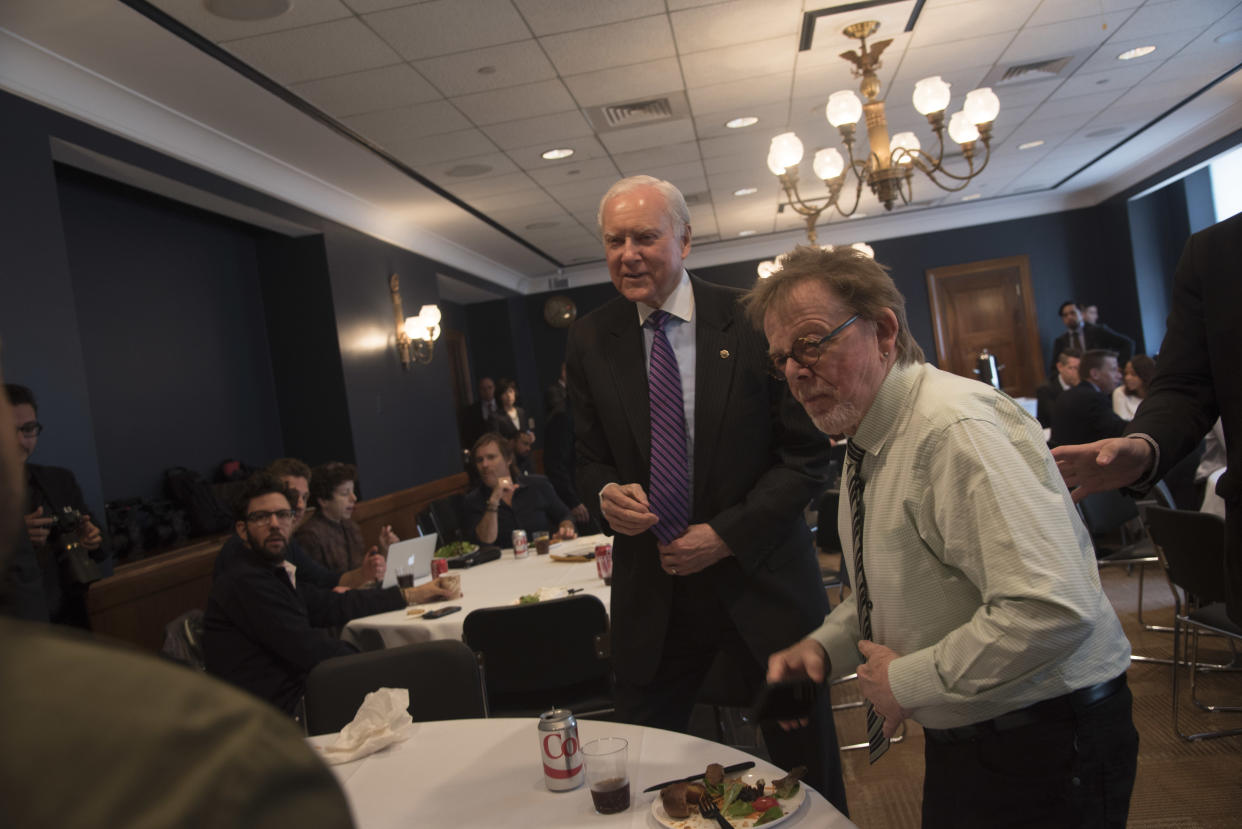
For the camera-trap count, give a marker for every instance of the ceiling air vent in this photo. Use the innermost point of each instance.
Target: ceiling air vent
(702, 197)
(557, 282)
(609, 117)
(1034, 71)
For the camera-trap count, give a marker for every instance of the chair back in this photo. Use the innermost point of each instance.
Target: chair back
(1192, 548)
(183, 640)
(1105, 512)
(442, 677)
(542, 654)
(443, 516)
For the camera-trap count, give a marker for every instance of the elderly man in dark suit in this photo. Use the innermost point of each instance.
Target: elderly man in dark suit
(1085, 413)
(1085, 337)
(1195, 383)
(701, 464)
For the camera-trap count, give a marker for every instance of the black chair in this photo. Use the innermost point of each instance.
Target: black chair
(442, 677)
(183, 640)
(536, 656)
(445, 517)
(1191, 547)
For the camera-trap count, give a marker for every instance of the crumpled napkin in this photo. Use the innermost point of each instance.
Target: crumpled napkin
(382, 719)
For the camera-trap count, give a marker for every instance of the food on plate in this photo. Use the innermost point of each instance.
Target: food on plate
(714, 774)
(455, 549)
(680, 799)
(529, 598)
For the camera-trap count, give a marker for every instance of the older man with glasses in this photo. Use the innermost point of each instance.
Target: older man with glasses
(977, 607)
(265, 627)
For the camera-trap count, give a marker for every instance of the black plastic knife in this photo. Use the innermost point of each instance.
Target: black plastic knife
(749, 764)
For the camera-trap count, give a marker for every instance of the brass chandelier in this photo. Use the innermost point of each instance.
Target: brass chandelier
(888, 169)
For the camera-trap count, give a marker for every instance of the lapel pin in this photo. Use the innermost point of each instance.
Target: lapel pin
(724, 353)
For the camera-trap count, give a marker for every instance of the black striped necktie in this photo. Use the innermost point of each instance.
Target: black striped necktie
(877, 742)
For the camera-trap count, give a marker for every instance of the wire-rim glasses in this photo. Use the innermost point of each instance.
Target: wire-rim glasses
(806, 351)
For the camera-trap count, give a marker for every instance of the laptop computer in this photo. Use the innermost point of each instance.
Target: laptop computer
(413, 553)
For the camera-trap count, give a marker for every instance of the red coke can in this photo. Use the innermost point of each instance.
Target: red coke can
(603, 562)
(439, 566)
(559, 750)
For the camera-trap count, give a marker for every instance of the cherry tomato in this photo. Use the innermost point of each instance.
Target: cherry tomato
(762, 804)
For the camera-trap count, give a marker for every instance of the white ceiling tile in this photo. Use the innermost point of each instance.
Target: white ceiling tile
(1056, 39)
(365, 6)
(576, 192)
(616, 44)
(743, 161)
(1167, 45)
(318, 51)
(547, 17)
(943, 58)
(432, 149)
(193, 13)
(650, 135)
(746, 60)
(444, 173)
(1157, 18)
(1056, 11)
(723, 184)
(641, 80)
(1092, 104)
(825, 80)
(585, 148)
(1118, 79)
(771, 117)
(516, 102)
(495, 67)
(727, 24)
(739, 95)
(675, 5)
(702, 224)
(492, 185)
(548, 130)
(754, 142)
(594, 168)
(442, 27)
(688, 178)
(830, 40)
(510, 201)
(633, 163)
(1197, 63)
(1022, 94)
(368, 91)
(391, 127)
(969, 20)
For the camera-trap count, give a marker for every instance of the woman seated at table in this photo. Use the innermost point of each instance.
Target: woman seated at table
(1133, 388)
(330, 535)
(507, 501)
(509, 418)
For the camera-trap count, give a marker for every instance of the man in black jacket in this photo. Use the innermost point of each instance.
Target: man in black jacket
(1085, 337)
(264, 626)
(1085, 413)
(1066, 379)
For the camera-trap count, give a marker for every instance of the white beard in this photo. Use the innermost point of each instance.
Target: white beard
(842, 418)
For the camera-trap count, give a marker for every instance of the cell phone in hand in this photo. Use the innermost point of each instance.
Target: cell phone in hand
(791, 699)
(443, 611)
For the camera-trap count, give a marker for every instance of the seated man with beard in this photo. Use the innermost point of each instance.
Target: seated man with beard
(264, 625)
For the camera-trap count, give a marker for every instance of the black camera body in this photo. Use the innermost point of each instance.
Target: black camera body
(64, 537)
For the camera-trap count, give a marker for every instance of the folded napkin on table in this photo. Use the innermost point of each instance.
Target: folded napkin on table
(382, 719)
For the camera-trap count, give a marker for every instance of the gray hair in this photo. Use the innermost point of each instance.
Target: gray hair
(853, 277)
(674, 202)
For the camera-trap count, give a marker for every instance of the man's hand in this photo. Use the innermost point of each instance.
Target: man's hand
(37, 527)
(91, 537)
(386, 539)
(626, 508)
(873, 682)
(580, 514)
(801, 659)
(374, 566)
(340, 589)
(696, 549)
(566, 531)
(431, 591)
(1089, 468)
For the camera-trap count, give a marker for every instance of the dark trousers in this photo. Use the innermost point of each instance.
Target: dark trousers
(701, 640)
(1076, 770)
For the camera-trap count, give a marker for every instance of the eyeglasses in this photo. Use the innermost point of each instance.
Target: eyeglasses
(806, 351)
(263, 516)
(31, 429)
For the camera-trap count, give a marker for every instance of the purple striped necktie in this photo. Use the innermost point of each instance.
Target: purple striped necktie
(669, 492)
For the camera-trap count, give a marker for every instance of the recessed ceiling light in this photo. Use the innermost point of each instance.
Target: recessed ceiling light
(744, 121)
(468, 170)
(746, 191)
(1136, 52)
(972, 197)
(558, 153)
(1030, 145)
(248, 9)
(747, 233)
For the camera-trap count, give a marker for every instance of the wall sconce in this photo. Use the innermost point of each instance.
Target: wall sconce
(416, 336)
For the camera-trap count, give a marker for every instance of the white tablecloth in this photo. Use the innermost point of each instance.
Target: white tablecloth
(487, 773)
(492, 584)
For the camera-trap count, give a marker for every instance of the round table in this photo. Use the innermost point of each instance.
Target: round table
(487, 773)
(495, 583)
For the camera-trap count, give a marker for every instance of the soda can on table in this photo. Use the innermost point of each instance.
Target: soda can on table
(603, 562)
(520, 545)
(559, 750)
(439, 566)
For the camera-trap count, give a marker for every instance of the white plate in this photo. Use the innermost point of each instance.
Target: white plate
(788, 806)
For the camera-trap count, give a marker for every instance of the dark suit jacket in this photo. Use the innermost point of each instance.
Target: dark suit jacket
(758, 461)
(1095, 336)
(502, 424)
(472, 424)
(558, 455)
(1196, 378)
(1084, 414)
(1045, 398)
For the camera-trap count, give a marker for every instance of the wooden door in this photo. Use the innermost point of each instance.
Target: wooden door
(988, 305)
(454, 343)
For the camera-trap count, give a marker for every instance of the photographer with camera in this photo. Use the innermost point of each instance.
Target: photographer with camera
(67, 544)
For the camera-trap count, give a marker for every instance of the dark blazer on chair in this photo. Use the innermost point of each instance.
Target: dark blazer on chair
(1084, 414)
(1095, 336)
(1196, 378)
(758, 461)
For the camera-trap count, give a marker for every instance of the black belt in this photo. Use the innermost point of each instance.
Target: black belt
(1049, 710)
